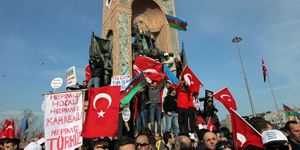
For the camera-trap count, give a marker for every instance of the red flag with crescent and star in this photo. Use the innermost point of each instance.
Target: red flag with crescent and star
(226, 98)
(191, 79)
(211, 125)
(243, 133)
(8, 130)
(88, 73)
(264, 69)
(147, 65)
(2, 133)
(103, 112)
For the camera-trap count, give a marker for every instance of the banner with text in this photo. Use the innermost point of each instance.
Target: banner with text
(63, 120)
(122, 80)
(71, 76)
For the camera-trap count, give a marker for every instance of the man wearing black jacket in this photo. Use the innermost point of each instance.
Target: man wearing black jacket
(170, 110)
(97, 71)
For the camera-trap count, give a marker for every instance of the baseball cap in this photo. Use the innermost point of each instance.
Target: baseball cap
(273, 136)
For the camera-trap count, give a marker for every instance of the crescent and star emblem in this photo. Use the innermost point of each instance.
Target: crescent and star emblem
(241, 138)
(150, 70)
(136, 68)
(104, 96)
(187, 79)
(211, 128)
(9, 127)
(223, 96)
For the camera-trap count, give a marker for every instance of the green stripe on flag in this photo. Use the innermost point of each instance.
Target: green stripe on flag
(176, 26)
(291, 113)
(133, 91)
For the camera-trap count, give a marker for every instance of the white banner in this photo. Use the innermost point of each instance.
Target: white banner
(63, 120)
(122, 80)
(71, 76)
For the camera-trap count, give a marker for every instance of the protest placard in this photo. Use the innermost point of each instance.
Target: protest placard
(122, 80)
(63, 120)
(71, 76)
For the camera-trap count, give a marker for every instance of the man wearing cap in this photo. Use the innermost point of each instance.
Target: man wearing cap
(169, 61)
(275, 140)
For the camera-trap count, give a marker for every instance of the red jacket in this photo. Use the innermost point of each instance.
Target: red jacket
(191, 101)
(182, 100)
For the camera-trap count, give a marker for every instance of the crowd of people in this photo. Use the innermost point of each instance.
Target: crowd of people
(286, 138)
(166, 116)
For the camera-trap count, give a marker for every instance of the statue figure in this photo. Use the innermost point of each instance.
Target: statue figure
(102, 49)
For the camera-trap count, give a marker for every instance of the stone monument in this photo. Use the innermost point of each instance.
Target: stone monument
(126, 21)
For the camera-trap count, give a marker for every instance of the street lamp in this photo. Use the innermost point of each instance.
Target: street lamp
(237, 40)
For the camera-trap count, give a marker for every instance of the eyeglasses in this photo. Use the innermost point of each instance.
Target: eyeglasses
(141, 144)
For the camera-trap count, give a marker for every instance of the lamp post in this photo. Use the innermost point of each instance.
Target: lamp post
(237, 40)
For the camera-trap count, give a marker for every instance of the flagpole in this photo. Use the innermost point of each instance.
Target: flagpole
(274, 99)
(237, 40)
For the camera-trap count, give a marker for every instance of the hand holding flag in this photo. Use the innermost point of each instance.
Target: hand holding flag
(191, 79)
(243, 133)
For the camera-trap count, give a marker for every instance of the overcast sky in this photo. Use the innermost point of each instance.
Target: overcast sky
(40, 40)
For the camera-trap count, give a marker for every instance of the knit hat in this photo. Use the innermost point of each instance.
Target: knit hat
(273, 136)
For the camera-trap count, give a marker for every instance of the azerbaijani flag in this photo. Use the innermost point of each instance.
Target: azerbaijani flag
(134, 86)
(290, 112)
(176, 23)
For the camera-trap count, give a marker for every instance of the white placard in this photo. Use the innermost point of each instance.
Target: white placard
(126, 114)
(71, 77)
(122, 80)
(56, 83)
(63, 120)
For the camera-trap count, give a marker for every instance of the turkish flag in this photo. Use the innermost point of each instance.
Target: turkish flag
(2, 133)
(150, 76)
(146, 65)
(211, 125)
(193, 82)
(225, 97)
(103, 112)
(88, 73)
(8, 130)
(264, 69)
(243, 133)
